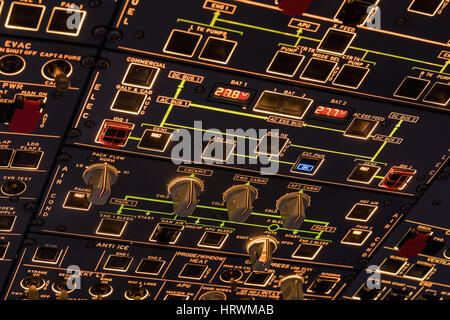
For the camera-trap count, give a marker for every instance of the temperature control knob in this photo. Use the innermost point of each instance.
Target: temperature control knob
(239, 200)
(292, 288)
(99, 178)
(260, 250)
(185, 192)
(292, 207)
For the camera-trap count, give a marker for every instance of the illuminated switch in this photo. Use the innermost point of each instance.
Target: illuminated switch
(61, 21)
(361, 128)
(411, 88)
(318, 70)
(99, 178)
(166, 233)
(3, 248)
(294, 7)
(356, 237)
(154, 140)
(218, 150)
(336, 41)
(258, 278)
(397, 178)
(361, 212)
(426, 7)
(176, 297)
(193, 271)
(434, 245)
(114, 134)
(239, 201)
(118, 263)
(283, 105)
(308, 251)
(355, 13)
(439, 94)
(364, 293)
(322, 285)
(392, 266)
(182, 43)
(351, 76)
(7, 223)
(418, 271)
(140, 76)
(24, 16)
(10, 65)
(292, 288)
(218, 50)
(397, 294)
(213, 240)
(5, 157)
(47, 255)
(185, 193)
(77, 200)
(59, 71)
(363, 173)
(292, 207)
(26, 159)
(269, 102)
(271, 145)
(128, 102)
(413, 242)
(429, 297)
(111, 227)
(285, 63)
(27, 114)
(260, 250)
(150, 266)
(307, 165)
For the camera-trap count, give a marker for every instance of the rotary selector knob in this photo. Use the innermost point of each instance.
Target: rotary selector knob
(292, 207)
(260, 250)
(239, 200)
(292, 288)
(99, 178)
(185, 192)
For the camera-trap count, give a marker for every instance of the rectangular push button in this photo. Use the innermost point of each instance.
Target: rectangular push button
(47, 255)
(212, 239)
(361, 128)
(140, 76)
(271, 145)
(166, 233)
(59, 18)
(176, 297)
(7, 223)
(111, 227)
(182, 43)
(307, 251)
(354, 13)
(426, 7)
(150, 266)
(318, 70)
(323, 285)
(418, 271)
(411, 88)
(356, 237)
(128, 102)
(336, 41)
(24, 16)
(193, 271)
(218, 50)
(361, 212)
(118, 263)
(259, 278)
(285, 63)
(439, 94)
(26, 159)
(3, 248)
(397, 178)
(392, 266)
(77, 200)
(5, 157)
(364, 293)
(154, 140)
(351, 76)
(282, 105)
(307, 165)
(397, 294)
(363, 173)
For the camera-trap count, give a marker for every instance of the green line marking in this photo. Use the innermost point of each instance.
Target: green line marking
(214, 19)
(434, 71)
(256, 27)
(207, 25)
(134, 138)
(194, 105)
(212, 131)
(169, 109)
(330, 151)
(379, 177)
(445, 66)
(385, 143)
(323, 128)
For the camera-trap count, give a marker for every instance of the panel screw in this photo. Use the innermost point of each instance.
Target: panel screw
(436, 202)
(102, 64)
(91, 159)
(442, 176)
(30, 206)
(199, 89)
(88, 62)
(14, 199)
(90, 245)
(406, 208)
(139, 34)
(420, 177)
(61, 228)
(115, 35)
(64, 157)
(95, 3)
(387, 202)
(99, 32)
(37, 222)
(422, 188)
(386, 123)
(73, 133)
(89, 123)
(57, 94)
(29, 242)
(400, 21)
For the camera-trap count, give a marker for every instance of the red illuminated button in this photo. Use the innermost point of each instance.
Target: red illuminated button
(294, 7)
(331, 112)
(412, 247)
(26, 118)
(397, 178)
